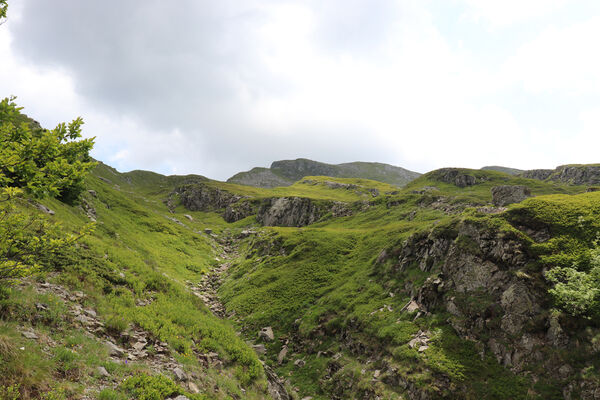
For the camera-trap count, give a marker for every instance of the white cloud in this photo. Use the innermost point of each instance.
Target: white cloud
(294, 79)
(501, 13)
(564, 59)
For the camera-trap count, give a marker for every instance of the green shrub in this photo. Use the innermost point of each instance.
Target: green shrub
(146, 387)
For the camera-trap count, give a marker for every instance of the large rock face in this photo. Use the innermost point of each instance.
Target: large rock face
(585, 174)
(289, 211)
(455, 176)
(577, 174)
(286, 172)
(509, 194)
(539, 174)
(201, 197)
(475, 278)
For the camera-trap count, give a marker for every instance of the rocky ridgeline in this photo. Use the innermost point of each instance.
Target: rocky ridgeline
(286, 172)
(585, 174)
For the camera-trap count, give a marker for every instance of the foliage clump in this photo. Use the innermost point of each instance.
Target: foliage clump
(39, 163)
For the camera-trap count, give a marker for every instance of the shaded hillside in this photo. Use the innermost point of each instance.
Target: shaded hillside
(286, 172)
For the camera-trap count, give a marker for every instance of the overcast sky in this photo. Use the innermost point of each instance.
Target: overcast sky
(217, 87)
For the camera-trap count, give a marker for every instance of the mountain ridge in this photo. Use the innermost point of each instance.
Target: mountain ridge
(286, 172)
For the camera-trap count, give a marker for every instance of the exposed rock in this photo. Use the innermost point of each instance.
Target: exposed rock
(282, 354)
(577, 174)
(266, 334)
(539, 174)
(288, 211)
(456, 177)
(29, 335)
(180, 375)
(102, 372)
(180, 397)
(115, 350)
(260, 349)
(193, 388)
(239, 210)
(202, 197)
(45, 209)
(509, 194)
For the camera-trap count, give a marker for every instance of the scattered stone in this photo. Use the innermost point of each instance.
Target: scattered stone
(180, 397)
(376, 374)
(93, 193)
(90, 312)
(193, 388)
(411, 306)
(45, 209)
(180, 375)
(139, 346)
(29, 335)
(208, 231)
(282, 354)
(267, 334)
(260, 349)
(300, 363)
(41, 306)
(102, 372)
(115, 350)
(423, 348)
(188, 216)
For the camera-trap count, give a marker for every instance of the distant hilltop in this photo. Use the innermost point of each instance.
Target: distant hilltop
(286, 172)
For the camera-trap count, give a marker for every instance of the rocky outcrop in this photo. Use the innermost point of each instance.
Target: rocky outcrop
(577, 174)
(201, 197)
(509, 194)
(477, 277)
(539, 174)
(239, 210)
(456, 176)
(289, 211)
(584, 174)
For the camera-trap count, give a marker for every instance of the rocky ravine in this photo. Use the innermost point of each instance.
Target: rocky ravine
(207, 291)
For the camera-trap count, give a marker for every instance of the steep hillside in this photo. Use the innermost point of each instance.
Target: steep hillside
(115, 317)
(286, 172)
(464, 284)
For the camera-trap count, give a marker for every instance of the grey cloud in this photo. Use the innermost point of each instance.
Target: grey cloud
(184, 65)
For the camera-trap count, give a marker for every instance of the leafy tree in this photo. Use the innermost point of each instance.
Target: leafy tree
(3, 9)
(38, 163)
(43, 162)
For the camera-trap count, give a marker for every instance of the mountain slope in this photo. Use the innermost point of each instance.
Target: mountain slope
(286, 172)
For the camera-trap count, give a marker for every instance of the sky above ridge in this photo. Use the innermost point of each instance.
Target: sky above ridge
(218, 87)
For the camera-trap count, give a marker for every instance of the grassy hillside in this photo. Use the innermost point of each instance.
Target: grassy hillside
(132, 275)
(427, 291)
